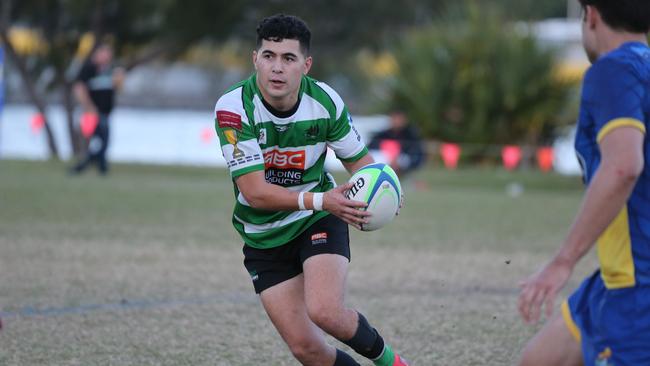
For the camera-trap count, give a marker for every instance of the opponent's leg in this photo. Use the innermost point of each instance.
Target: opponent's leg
(325, 276)
(552, 345)
(284, 303)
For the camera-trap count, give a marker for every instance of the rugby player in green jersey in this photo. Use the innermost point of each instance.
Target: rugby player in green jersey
(275, 129)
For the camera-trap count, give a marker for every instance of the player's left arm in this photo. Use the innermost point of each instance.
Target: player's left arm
(353, 166)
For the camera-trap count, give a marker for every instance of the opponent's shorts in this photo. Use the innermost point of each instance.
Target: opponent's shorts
(612, 326)
(269, 267)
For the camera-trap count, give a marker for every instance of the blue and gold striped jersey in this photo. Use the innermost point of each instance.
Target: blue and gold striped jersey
(616, 92)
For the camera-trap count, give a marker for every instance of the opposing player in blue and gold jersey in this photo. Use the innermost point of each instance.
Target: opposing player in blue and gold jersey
(606, 321)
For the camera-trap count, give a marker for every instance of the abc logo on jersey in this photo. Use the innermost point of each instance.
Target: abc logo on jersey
(284, 159)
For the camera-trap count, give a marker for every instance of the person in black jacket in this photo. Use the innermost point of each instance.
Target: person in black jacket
(400, 145)
(95, 89)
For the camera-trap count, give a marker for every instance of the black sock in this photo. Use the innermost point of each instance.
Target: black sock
(343, 359)
(366, 341)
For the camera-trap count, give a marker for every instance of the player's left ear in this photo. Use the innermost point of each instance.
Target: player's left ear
(307, 65)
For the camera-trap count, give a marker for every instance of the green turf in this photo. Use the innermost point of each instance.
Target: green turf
(154, 249)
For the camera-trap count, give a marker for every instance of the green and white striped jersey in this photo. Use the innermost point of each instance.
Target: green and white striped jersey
(290, 150)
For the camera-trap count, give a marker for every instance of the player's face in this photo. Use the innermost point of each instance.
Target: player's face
(280, 67)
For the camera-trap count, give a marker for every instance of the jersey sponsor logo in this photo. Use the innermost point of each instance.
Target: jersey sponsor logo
(285, 168)
(284, 177)
(285, 159)
(319, 238)
(226, 119)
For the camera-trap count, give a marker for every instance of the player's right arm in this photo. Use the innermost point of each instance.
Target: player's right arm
(618, 117)
(266, 196)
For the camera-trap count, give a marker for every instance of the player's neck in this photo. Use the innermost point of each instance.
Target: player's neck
(281, 104)
(612, 40)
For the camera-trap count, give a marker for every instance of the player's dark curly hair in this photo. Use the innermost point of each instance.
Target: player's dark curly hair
(278, 27)
(626, 15)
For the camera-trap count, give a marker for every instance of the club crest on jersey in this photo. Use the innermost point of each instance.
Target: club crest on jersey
(226, 119)
(231, 137)
(312, 132)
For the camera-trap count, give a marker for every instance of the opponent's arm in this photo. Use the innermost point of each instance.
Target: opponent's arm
(266, 196)
(622, 163)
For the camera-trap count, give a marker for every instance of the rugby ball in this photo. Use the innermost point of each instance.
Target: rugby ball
(378, 186)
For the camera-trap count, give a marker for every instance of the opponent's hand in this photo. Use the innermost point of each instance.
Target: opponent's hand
(334, 201)
(542, 288)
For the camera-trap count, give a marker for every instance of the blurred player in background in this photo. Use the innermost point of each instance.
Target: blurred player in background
(606, 321)
(274, 129)
(95, 89)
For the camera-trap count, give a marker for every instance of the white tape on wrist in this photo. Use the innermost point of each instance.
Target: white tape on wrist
(318, 201)
(301, 201)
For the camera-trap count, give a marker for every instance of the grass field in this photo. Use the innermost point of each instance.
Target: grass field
(144, 268)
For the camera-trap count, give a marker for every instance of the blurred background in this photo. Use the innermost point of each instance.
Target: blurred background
(482, 75)
(143, 267)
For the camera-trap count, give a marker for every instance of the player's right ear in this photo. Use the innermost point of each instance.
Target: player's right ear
(591, 16)
(255, 59)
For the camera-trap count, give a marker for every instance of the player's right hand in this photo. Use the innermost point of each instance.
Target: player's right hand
(335, 202)
(541, 289)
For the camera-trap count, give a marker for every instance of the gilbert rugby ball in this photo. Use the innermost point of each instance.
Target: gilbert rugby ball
(378, 186)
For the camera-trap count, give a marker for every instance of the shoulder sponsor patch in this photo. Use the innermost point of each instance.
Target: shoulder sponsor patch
(226, 119)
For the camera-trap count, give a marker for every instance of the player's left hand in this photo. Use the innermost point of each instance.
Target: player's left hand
(541, 289)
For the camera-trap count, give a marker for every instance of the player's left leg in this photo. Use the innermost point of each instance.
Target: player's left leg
(325, 282)
(552, 345)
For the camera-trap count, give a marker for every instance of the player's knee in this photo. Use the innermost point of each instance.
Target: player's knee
(325, 316)
(530, 356)
(307, 351)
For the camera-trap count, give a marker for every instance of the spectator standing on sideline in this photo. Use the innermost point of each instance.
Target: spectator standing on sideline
(95, 89)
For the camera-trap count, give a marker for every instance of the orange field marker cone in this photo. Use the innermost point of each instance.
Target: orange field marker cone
(545, 158)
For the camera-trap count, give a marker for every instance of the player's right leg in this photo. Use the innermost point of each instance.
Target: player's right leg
(284, 303)
(554, 345)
